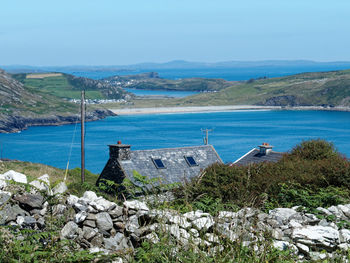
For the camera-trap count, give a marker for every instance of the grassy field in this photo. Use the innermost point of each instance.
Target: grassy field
(35, 170)
(57, 85)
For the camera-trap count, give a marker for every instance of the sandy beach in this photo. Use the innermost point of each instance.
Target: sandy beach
(197, 109)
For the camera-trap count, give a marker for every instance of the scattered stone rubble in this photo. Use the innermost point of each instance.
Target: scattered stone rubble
(103, 226)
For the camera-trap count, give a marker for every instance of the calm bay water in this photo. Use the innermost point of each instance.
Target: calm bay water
(228, 73)
(234, 133)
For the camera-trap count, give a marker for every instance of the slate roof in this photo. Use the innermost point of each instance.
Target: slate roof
(254, 156)
(176, 167)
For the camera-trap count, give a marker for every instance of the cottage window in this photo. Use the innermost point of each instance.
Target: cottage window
(158, 163)
(190, 161)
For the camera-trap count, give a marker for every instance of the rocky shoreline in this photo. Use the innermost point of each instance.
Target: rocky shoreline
(11, 124)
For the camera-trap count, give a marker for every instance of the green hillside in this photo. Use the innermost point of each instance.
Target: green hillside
(69, 87)
(307, 89)
(22, 105)
(152, 81)
(18, 99)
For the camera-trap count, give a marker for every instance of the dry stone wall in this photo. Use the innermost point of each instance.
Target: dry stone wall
(99, 225)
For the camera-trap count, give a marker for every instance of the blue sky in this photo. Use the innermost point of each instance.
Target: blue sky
(114, 32)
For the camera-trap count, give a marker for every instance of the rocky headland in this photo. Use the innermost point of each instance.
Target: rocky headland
(16, 123)
(22, 107)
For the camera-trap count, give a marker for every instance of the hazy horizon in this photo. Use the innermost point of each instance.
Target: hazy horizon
(182, 61)
(108, 32)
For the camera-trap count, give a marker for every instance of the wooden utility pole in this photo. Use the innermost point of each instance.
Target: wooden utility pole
(206, 139)
(82, 119)
(1, 150)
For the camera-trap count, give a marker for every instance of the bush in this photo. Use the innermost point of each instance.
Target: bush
(312, 175)
(314, 150)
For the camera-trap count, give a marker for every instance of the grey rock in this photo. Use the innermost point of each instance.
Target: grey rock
(102, 204)
(321, 236)
(203, 223)
(10, 213)
(30, 200)
(345, 210)
(324, 211)
(247, 213)
(104, 221)
(136, 205)
(323, 222)
(336, 212)
(273, 223)
(84, 201)
(61, 188)
(90, 223)
(72, 199)
(344, 246)
(15, 176)
(284, 245)
(58, 209)
(80, 207)
(194, 232)
(89, 233)
(116, 212)
(282, 213)
(152, 237)
(303, 248)
(97, 241)
(26, 221)
(227, 214)
(311, 219)
(317, 256)
(132, 224)
(90, 195)
(44, 210)
(91, 217)
(277, 234)
(344, 235)
(212, 238)
(118, 242)
(3, 184)
(171, 217)
(41, 222)
(4, 197)
(80, 217)
(69, 231)
(93, 210)
(294, 224)
(193, 215)
(42, 183)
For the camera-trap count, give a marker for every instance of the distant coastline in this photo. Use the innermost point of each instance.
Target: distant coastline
(203, 109)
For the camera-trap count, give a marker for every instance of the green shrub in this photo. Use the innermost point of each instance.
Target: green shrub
(312, 175)
(314, 150)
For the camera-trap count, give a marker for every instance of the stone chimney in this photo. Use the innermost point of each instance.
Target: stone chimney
(265, 148)
(119, 151)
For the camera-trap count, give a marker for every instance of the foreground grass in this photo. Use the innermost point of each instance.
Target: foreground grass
(35, 170)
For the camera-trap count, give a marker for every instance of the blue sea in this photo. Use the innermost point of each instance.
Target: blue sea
(228, 73)
(234, 133)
